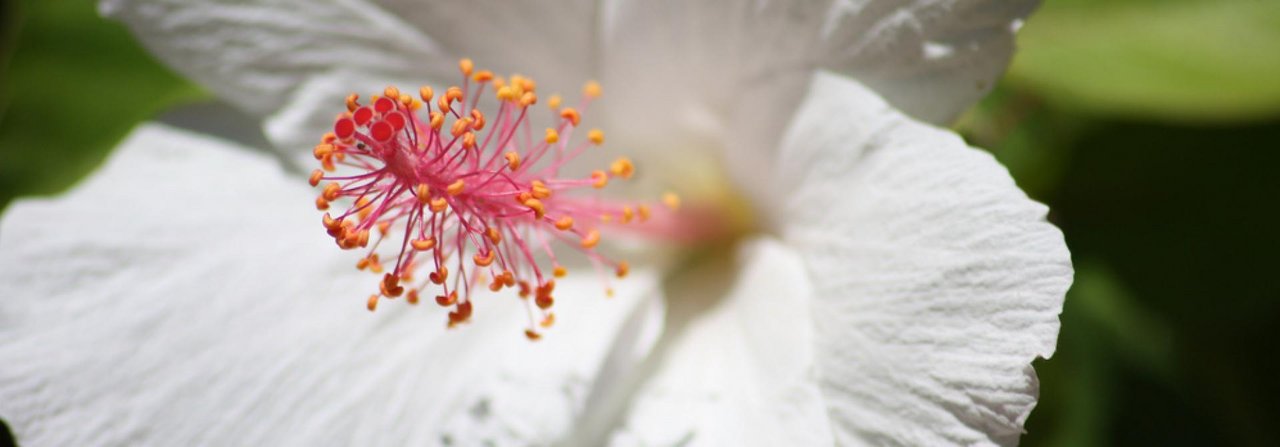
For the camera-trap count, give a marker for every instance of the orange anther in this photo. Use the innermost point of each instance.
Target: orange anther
(460, 126)
(643, 211)
(477, 120)
(406, 100)
(671, 200)
(570, 114)
(373, 303)
(331, 191)
(411, 296)
(384, 227)
(483, 76)
(439, 204)
(330, 223)
(528, 99)
(423, 244)
(596, 136)
(391, 286)
(564, 223)
(552, 136)
(513, 160)
(559, 271)
(316, 176)
(622, 269)
(627, 214)
(591, 89)
(328, 137)
(548, 320)
(466, 66)
(505, 93)
(426, 93)
(544, 301)
(322, 150)
(423, 192)
(456, 187)
(539, 189)
(353, 102)
(591, 239)
(622, 167)
(531, 335)
(599, 179)
(536, 206)
(528, 85)
(439, 276)
(437, 120)
(447, 300)
(391, 92)
(554, 102)
(494, 235)
(327, 164)
(484, 261)
(454, 93)
(469, 140)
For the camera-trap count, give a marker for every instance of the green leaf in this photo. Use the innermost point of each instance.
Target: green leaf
(1214, 60)
(73, 86)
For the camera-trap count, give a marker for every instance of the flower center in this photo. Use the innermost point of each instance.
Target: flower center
(468, 198)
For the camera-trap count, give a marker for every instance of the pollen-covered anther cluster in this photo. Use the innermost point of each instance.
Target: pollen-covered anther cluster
(440, 195)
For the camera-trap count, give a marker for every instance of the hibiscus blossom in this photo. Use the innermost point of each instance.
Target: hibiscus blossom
(893, 287)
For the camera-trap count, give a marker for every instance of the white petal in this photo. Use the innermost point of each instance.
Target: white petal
(931, 59)
(553, 41)
(185, 295)
(740, 372)
(728, 75)
(259, 55)
(936, 280)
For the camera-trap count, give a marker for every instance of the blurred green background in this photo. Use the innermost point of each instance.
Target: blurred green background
(1150, 127)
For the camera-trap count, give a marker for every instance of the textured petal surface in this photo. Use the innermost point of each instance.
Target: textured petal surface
(936, 281)
(265, 56)
(729, 74)
(185, 295)
(741, 372)
(930, 58)
(554, 41)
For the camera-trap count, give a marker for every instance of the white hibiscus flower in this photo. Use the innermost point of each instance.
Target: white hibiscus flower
(895, 290)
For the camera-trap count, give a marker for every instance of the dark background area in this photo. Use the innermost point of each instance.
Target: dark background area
(1150, 127)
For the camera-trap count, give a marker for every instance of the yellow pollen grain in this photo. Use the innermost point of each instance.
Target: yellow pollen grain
(591, 239)
(552, 136)
(671, 200)
(513, 160)
(564, 223)
(372, 303)
(528, 99)
(596, 136)
(643, 212)
(423, 192)
(439, 204)
(315, 178)
(569, 113)
(456, 187)
(622, 167)
(391, 92)
(353, 102)
(559, 271)
(599, 179)
(423, 244)
(426, 93)
(623, 269)
(483, 76)
(465, 65)
(554, 102)
(592, 89)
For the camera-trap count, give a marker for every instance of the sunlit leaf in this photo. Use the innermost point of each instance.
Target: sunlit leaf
(1175, 60)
